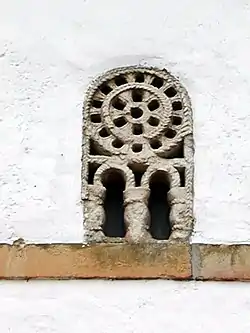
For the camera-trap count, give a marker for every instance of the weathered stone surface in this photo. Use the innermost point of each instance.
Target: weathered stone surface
(221, 262)
(119, 261)
(137, 119)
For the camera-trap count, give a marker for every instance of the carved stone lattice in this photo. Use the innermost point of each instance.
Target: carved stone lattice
(137, 124)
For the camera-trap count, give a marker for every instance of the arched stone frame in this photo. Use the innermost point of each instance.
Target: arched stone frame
(111, 127)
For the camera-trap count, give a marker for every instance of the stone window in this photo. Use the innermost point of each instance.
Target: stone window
(137, 174)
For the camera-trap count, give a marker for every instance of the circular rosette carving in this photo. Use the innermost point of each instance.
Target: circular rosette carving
(138, 111)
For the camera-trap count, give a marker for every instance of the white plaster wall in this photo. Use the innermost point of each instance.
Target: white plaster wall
(124, 306)
(50, 50)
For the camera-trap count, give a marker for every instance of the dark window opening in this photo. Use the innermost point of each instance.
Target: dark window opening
(170, 92)
(95, 118)
(137, 147)
(157, 82)
(94, 149)
(113, 204)
(137, 129)
(118, 104)
(97, 104)
(153, 105)
(138, 171)
(119, 122)
(153, 121)
(136, 112)
(105, 89)
(177, 152)
(120, 80)
(181, 171)
(117, 143)
(170, 133)
(137, 95)
(139, 77)
(104, 132)
(177, 106)
(92, 168)
(160, 227)
(176, 120)
(155, 143)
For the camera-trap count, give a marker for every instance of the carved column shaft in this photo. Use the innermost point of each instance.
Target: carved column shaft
(136, 214)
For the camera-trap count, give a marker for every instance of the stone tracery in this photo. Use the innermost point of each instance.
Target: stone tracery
(138, 118)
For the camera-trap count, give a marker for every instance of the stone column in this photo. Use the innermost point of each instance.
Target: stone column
(94, 214)
(178, 215)
(136, 214)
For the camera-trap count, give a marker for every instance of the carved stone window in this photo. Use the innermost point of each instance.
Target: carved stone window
(137, 158)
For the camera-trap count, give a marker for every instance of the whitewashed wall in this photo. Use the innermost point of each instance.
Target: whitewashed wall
(124, 306)
(50, 50)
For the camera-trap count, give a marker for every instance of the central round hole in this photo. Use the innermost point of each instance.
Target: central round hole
(136, 112)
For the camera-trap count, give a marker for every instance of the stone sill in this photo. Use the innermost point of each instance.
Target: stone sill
(172, 260)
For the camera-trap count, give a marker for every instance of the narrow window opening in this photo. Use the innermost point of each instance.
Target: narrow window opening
(170, 92)
(97, 104)
(138, 171)
(105, 89)
(157, 82)
(120, 80)
(119, 122)
(118, 104)
(160, 227)
(177, 105)
(137, 129)
(137, 95)
(113, 204)
(139, 77)
(92, 168)
(153, 105)
(181, 171)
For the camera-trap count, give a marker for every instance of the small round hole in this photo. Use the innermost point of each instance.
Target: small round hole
(137, 95)
(170, 134)
(118, 104)
(177, 105)
(153, 105)
(95, 118)
(139, 77)
(137, 147)
(136, 112)
(105, 89)
(176, 120)
(153, 121)
(157, 82)
(170, 92)
(97, 104)
(155, 144)
(117, 143)
(119, 122)
(137, 129)
(104, 133)
(120, 80)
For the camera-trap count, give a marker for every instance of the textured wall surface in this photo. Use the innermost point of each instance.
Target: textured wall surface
(49, 51)
(124, 306)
